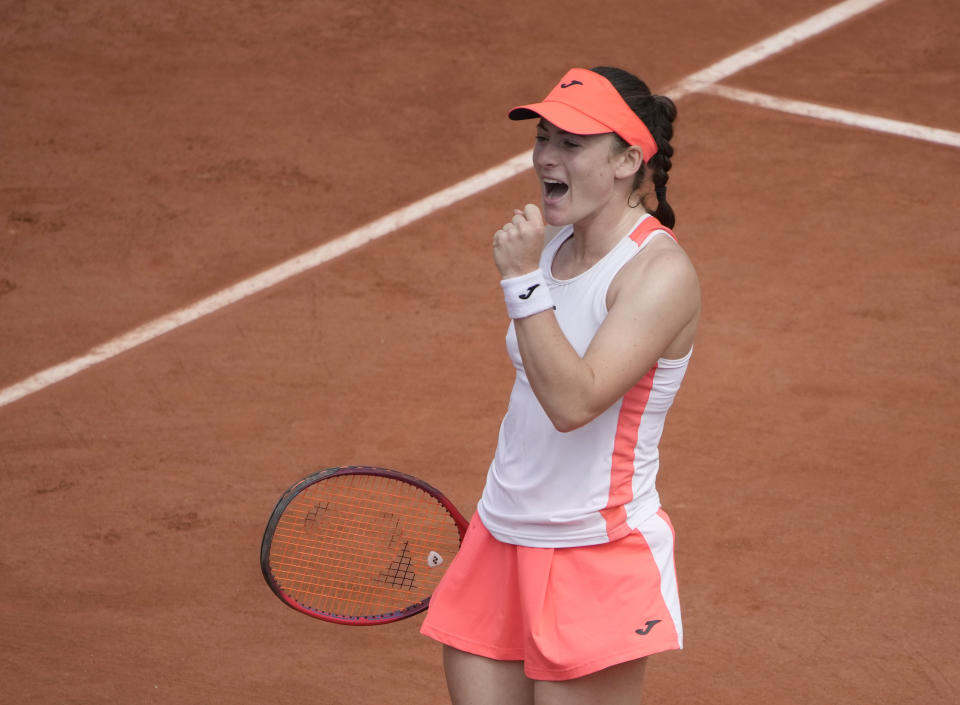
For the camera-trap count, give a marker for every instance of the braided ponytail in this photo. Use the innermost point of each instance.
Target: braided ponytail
(658, 113)
(666, 113)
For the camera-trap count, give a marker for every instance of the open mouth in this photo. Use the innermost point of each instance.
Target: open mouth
(554, 190)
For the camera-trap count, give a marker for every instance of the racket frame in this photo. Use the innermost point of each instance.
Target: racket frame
(320, 476)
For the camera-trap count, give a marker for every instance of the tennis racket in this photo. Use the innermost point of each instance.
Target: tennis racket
(359, 545)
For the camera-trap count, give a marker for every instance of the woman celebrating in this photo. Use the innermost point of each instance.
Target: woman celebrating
(565, 582)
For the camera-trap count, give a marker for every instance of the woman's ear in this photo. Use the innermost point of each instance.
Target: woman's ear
(631, 159)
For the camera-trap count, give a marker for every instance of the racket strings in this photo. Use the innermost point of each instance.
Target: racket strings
(401, 572)
(361, 545)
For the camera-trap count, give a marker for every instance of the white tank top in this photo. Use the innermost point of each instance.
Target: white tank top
(598, 482)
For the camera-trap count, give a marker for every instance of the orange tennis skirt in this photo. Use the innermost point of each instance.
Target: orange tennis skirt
(564, 612)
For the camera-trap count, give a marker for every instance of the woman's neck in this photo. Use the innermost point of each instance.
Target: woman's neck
(591, 241)
(595, 237)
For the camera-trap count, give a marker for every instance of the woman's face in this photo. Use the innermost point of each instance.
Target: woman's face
(578, 174)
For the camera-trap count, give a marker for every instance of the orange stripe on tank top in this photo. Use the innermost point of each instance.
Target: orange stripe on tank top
(647, 226)
(624, 450)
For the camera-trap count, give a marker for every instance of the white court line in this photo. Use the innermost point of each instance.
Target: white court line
(845, 117)
(773, 44)
(281, 272)
(398, 219)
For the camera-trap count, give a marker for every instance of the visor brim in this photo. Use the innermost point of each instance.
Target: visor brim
(563, 116)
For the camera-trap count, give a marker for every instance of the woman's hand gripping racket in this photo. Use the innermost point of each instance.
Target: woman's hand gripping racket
(359, 545)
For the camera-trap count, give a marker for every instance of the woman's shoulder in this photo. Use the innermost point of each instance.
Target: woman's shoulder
(661, 268)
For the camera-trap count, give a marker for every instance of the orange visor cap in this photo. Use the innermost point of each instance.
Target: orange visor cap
(586, 103)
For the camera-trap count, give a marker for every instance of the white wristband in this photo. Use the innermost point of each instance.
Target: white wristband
(527, 294)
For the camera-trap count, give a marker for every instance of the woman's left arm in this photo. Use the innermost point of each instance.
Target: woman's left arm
(654, 305)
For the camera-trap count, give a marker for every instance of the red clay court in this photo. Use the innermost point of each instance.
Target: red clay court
(157, 393)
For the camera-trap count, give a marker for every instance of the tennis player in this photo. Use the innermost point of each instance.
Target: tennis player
(565, 582)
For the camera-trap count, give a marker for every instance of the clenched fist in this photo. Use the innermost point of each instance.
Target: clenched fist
(517, 245)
